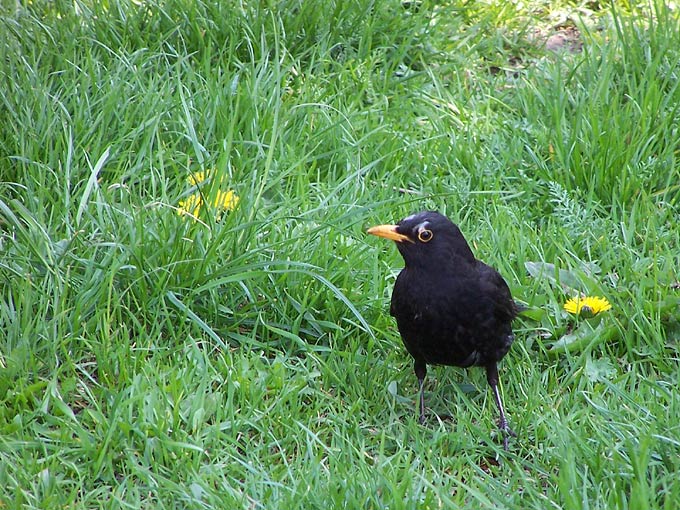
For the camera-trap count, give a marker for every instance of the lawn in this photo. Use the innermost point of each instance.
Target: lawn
(192, 315)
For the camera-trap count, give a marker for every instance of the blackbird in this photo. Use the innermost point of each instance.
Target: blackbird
(451, 309)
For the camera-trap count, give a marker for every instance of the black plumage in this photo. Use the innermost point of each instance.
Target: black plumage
(451, 309)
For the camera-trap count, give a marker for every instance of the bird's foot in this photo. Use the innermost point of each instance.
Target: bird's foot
(507, 432)
(421, 419)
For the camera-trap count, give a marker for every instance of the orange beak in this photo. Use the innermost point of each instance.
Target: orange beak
(388, 232)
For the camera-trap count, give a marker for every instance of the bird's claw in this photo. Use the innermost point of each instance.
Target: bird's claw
(507, 432)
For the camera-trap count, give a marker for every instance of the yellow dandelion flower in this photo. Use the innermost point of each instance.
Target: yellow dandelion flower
(197, 178)
(588, 306)
(191, 206)
(225, 200)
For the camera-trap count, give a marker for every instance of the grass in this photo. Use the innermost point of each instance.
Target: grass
(150, 360)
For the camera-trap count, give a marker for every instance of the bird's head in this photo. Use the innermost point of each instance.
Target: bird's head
(427, 239)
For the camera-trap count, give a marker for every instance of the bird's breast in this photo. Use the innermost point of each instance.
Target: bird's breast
(447, 321)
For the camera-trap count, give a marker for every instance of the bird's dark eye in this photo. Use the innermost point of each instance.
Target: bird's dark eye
(425, 235)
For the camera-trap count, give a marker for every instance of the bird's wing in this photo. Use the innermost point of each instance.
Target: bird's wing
(494, 285)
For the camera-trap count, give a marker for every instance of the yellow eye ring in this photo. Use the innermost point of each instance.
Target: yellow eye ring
(425, 236)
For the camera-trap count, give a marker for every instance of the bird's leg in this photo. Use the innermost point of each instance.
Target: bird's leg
(420, 368)
(492, 377)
